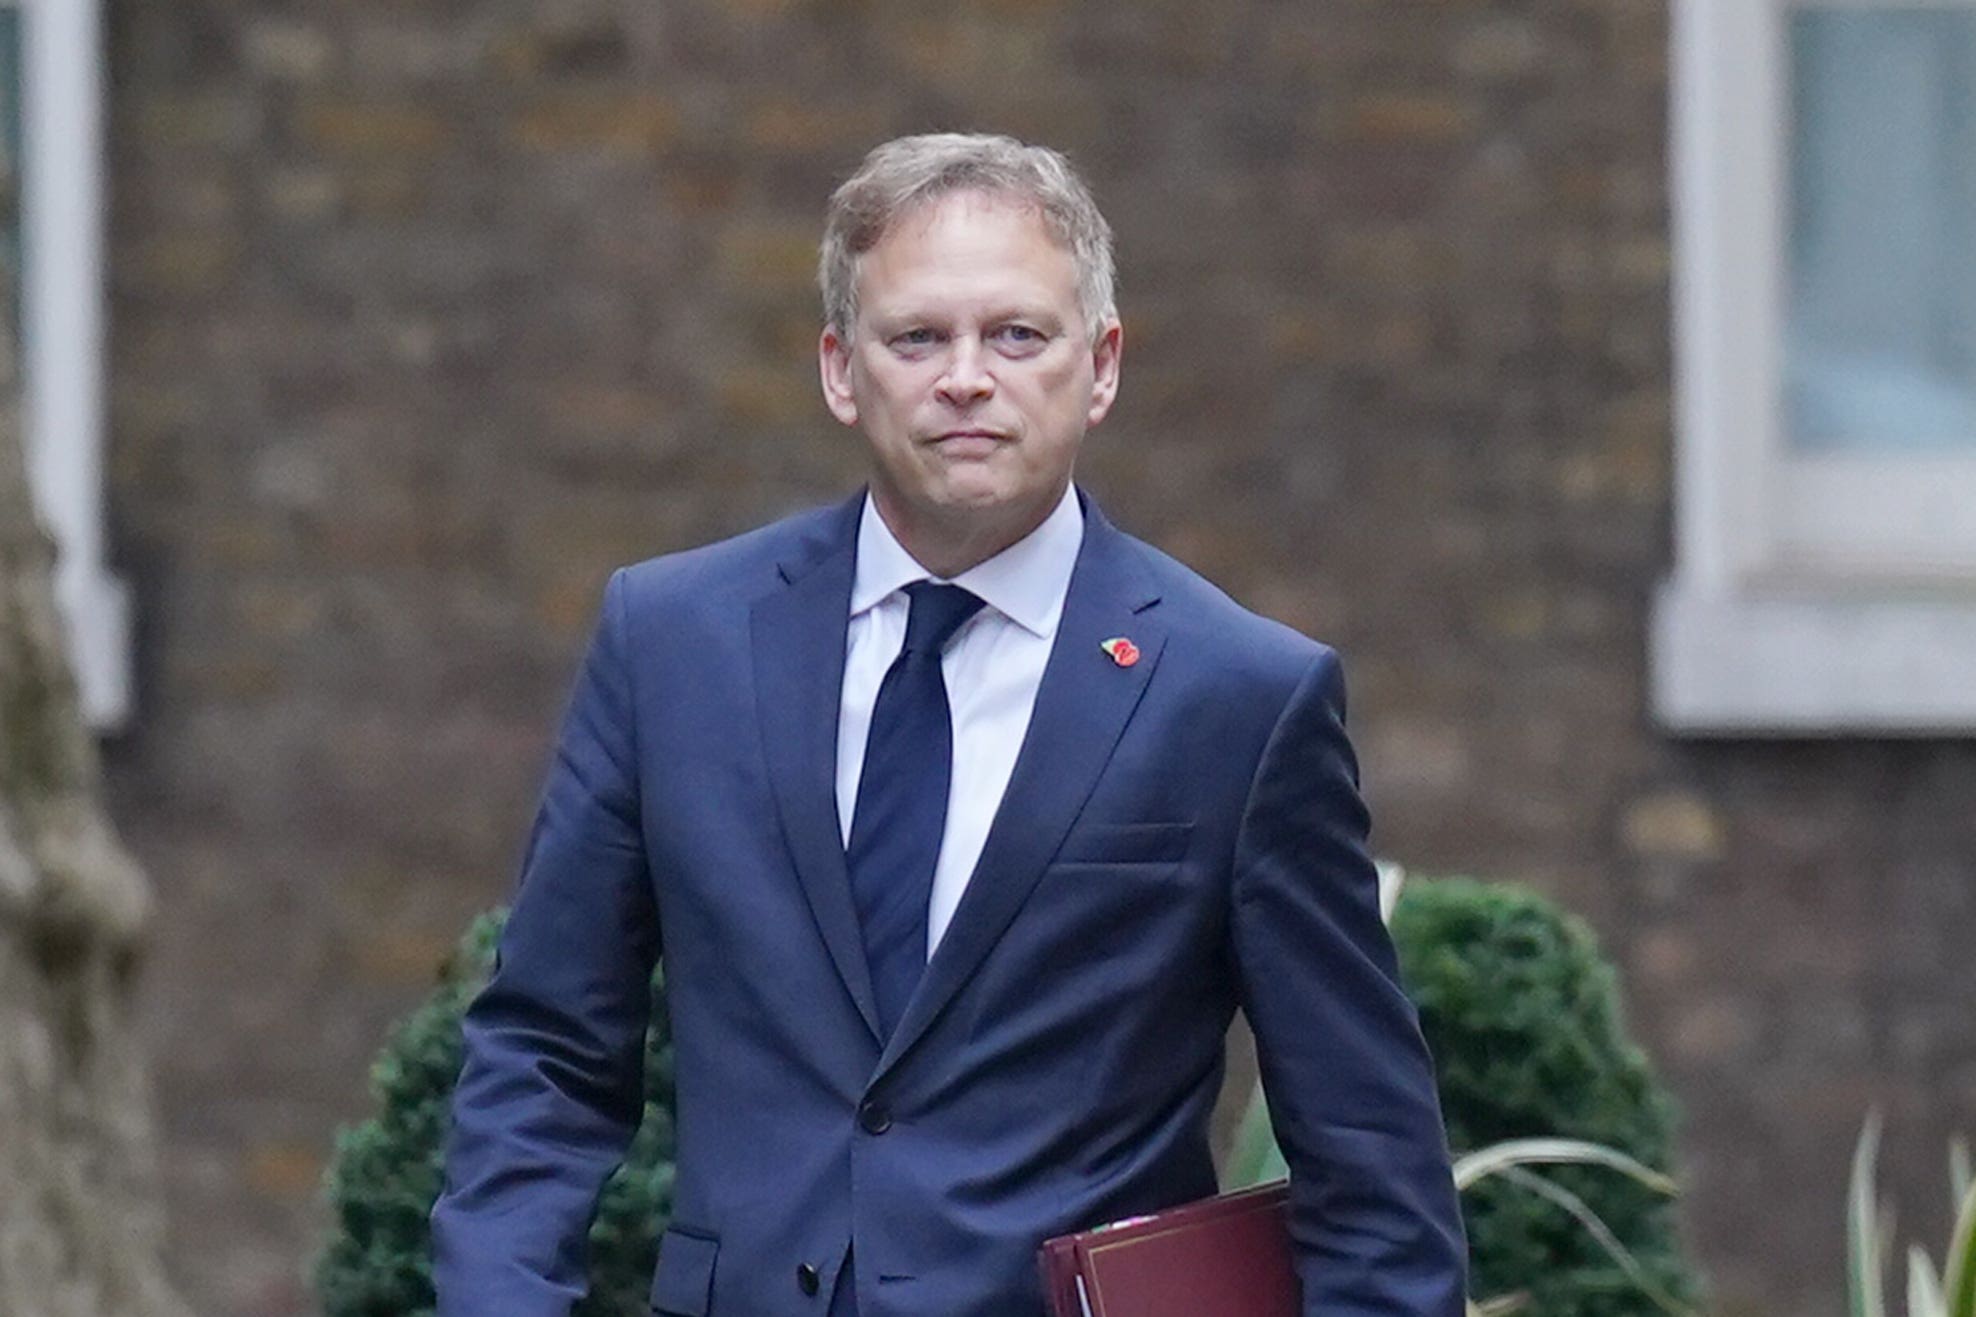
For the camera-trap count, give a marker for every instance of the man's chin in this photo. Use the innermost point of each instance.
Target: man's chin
(988, 499)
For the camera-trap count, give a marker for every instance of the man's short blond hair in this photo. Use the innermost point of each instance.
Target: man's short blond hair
(905, 173)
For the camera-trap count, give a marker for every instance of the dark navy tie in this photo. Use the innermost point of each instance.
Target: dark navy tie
(902, 799)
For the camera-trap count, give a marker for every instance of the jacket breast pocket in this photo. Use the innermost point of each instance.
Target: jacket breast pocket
(1126, 843)
(683, 1284)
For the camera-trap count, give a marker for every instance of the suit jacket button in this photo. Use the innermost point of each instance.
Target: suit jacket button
(873, 1118)
(806, 1279)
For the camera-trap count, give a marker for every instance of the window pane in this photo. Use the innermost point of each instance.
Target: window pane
(1880, 350)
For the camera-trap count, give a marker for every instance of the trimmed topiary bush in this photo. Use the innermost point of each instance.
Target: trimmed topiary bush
(387, 1171)
(1522, 1014)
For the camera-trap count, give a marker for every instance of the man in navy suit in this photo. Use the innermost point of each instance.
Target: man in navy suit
(963, 824)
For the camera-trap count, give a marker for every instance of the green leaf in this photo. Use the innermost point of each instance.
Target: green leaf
(1598, 1230)
(1501, 1306)
(1255, 1158)
(1392, 878)
(1961, 1181)
(1924, 1292)
(1959, 1272)
(1497, 1159)
(1864, 1265)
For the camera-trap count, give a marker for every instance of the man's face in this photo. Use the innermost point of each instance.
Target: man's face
(971, 371)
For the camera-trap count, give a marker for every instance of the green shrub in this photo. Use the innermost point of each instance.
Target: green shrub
(1522, 1014)
(387, 1171)
(1520, 1009)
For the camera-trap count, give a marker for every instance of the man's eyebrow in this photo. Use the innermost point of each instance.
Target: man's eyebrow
(1036, 313)
(893, 322)
(907, 311)
(904, 314)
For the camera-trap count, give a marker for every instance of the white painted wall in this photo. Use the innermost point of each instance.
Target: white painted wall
(62, 298)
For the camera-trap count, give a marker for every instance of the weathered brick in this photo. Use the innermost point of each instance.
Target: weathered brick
(630, 122)
(1717, 1032)
(1665, 955)
(403, 958)
(766, 396)
(1643, 262)
(773, 258)
(302, 194)
(289, 50)
(1501, 49)
(178, 121)
(1399, 120)
(423, 319)
(1674, 825)
(284, 1170)
(582, 49)
(187, 264)
(409, 50)
(803, 125)
(368, 128)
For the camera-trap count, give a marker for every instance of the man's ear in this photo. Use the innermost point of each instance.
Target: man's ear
(833, 359)
(1106, 353)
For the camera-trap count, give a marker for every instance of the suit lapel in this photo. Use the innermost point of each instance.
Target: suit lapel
(1082, 707)
(798, 635)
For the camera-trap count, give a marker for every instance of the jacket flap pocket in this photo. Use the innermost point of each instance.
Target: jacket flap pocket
(1126, 843)
(683, 1284)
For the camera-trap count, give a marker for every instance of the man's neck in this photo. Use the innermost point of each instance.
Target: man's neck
(948, 547)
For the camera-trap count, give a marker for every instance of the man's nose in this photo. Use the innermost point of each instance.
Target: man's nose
(966, 379)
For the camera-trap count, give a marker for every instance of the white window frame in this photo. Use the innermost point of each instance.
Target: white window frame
(62, 294)
(1811, 594)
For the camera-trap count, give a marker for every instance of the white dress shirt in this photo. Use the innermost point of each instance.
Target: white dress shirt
(992, 668)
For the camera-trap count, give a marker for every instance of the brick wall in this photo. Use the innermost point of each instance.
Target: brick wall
(427, 313)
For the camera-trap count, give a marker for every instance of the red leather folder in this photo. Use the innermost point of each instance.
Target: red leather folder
(1227, 1256)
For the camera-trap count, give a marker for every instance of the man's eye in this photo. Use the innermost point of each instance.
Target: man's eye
(1023, 334)
(915, 338)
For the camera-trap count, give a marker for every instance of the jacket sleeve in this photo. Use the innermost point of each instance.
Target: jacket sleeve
(551, 1087)
(1374, 1219)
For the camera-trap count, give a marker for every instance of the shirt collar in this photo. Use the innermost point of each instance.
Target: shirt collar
(1025, 582)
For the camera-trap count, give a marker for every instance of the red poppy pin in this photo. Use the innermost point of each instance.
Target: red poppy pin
(1123, 652)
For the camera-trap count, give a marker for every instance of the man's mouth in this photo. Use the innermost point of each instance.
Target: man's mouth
(968, 443)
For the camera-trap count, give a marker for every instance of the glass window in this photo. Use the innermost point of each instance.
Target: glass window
(1824, 223)
(1880, 340)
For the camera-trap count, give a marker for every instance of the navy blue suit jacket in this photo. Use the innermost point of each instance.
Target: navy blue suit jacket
(1180, 837)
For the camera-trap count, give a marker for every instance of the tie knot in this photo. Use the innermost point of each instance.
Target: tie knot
(937, 612)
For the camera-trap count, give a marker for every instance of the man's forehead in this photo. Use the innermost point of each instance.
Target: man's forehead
(927, 210)
(918, 221)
